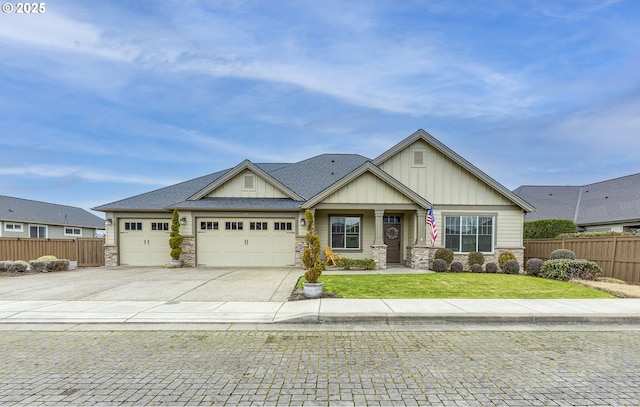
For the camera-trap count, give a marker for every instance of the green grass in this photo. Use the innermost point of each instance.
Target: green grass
(454, 285)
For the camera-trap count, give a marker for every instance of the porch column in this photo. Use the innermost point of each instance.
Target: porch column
(379, 239)
(422, 227)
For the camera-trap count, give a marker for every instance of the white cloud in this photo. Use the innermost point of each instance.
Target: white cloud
(88, 174)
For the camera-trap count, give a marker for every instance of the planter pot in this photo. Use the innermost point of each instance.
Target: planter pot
(312, 290)
(175, 263)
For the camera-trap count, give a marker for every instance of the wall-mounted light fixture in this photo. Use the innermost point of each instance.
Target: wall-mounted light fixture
(108, 221)
(302, 222)
(183, 221)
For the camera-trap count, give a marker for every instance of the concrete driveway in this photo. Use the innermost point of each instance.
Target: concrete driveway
(154, 284)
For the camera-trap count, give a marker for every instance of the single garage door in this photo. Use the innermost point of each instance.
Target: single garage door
(245, 242)
(144, 242)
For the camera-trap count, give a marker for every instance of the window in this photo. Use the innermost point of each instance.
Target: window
(345, 232)
(13, 227)
(159, 225)
(38, 232)
(469, 233)
(208, 225)
(258, 225)
(233, 225)
(133, 226)
(72, 232)
(283, 226)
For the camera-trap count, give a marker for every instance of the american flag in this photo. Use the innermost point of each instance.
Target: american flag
(431, 221)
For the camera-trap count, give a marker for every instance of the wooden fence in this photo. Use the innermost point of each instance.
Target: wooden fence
(618, 256)
(88, 252)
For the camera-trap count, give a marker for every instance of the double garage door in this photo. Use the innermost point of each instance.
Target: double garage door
(245, 242)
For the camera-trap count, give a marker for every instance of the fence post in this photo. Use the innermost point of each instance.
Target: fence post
(613, 254)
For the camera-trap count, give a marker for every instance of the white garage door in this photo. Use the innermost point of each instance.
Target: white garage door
(144, 242)
(245, 242)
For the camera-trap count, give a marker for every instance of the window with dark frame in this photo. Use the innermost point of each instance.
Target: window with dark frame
(283, 226)
(233, 226)
(258, 225)
(465, 234)
(160, 226)
(345, 232)
(208, 225)
(133, 226)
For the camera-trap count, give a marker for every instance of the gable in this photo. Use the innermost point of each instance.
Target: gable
(440, 175)
(247, 184)
(370, 185)
(369, 189)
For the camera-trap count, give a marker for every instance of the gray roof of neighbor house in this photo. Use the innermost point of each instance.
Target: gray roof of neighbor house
(306, 178)
(25, 210)
(614, 200)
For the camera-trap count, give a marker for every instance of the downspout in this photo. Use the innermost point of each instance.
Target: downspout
(577, 211)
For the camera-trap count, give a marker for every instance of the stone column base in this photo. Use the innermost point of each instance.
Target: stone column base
(418, 257)
(188, 256)
(300, 245)
(110, 255)
(379, 255)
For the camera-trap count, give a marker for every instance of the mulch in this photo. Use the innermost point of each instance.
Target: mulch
(298, 295)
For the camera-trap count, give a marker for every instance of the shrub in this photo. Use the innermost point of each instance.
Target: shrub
(586, 235)
(491, 267)
(47, 257)
(45, 266)
(444, 254)
(511, 267)
(457, 267)
(5, 265)
(533, 267)
(311, 253)
(548, 228)
(439, 265)
(19, 266)
(175, 239)
(355, 264)
(569, 269)
(562, 254)
(475, 258)
(476, 268)
(504, 258)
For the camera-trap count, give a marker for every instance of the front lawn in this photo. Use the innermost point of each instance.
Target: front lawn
(453, 285)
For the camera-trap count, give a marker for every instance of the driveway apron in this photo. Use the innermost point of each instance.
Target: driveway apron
(153, 284)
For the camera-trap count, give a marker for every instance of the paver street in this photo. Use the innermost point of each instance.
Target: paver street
(320, 367)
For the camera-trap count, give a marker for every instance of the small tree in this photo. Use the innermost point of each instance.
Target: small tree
(175, 239)
(311, 253)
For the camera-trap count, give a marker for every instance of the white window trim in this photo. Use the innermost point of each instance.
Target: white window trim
(493, 229)
(21, 229)
(72, 234)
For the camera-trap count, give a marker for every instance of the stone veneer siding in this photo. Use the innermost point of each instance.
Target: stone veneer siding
(188, 255)
(110, 255)
(418, 257)
(300, 245)
(379, 255)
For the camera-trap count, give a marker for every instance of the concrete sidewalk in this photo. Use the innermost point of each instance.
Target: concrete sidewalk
(329, 310)
(130, 295)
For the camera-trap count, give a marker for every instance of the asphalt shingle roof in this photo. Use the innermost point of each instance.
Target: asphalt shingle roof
(306, 178)
(615, 200)
(25, 210)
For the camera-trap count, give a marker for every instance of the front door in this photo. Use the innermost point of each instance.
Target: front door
(393, 237)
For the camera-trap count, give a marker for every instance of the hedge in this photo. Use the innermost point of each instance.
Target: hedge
(548, 228)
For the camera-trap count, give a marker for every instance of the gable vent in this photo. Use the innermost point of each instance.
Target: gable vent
(249, 182)
(418, 158)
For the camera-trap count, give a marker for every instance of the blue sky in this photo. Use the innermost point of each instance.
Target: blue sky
(102, 100)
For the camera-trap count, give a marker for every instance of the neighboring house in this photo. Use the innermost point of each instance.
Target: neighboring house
(24, 218)
(253, 214)
(612, 205)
